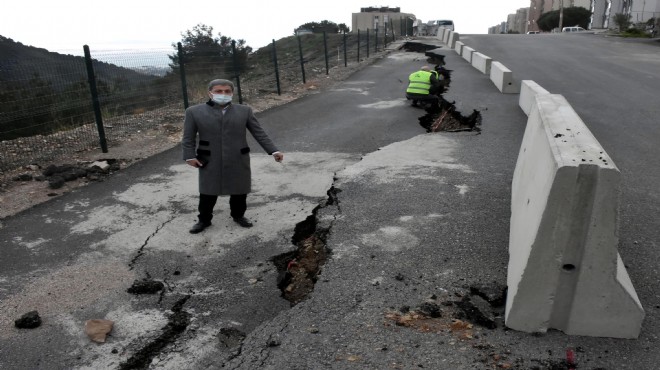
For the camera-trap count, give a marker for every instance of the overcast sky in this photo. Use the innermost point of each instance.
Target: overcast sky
(67, 25)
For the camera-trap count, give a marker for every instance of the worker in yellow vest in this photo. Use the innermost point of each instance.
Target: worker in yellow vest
(422, 86)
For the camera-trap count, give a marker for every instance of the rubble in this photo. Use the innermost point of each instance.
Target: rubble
(29, 320)
(478, 310)
(98, 329)
(146, 287)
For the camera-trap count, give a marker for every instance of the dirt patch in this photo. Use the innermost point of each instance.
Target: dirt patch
(19, 195)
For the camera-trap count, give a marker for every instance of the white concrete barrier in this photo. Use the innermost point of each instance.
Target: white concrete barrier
(481, 62)
(564, 269)
(528, 91)
(445, 37)
(441, 33)
(459, 47)
(453, 38)
(467, 53)
(502, 77)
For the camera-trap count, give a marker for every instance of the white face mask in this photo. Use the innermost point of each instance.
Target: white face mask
(222, 99)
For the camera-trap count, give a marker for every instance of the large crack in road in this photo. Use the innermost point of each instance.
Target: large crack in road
(177, 323)
(298, 270)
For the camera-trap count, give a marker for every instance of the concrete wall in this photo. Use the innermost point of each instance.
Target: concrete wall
(564, 269)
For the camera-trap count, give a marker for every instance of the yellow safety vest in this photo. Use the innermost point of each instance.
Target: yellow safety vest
(419, 83)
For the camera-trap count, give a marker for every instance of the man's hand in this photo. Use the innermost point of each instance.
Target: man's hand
(279, 157)
(194, 162)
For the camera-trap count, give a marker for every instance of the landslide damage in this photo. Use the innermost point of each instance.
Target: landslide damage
(444, 116)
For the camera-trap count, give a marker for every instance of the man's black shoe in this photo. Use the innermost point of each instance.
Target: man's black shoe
(243, 221)
(199, 227)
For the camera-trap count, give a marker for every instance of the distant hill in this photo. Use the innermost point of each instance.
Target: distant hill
(43, 92)
(19, 62)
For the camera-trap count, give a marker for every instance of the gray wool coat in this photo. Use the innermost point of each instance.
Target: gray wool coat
(220, 141)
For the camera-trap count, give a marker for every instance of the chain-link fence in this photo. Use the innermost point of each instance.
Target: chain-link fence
(55, 105)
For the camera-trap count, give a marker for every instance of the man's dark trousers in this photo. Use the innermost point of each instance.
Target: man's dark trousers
(237, 206)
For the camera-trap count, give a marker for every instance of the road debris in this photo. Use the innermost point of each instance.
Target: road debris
(29, 320)
(98, 329)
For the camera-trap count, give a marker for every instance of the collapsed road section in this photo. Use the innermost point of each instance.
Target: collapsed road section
(444, 116)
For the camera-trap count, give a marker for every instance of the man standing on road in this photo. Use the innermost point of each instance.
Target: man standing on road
(222, 154)
(421, 86)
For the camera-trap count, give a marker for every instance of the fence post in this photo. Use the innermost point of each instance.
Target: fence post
(237, 72)
(367, 43)
(182, 72)
(95, 99)
(358, 45)
(302, 61)
(345, 61)
(277, 72)
(325, 48)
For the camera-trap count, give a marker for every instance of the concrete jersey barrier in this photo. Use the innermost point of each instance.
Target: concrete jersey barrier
(481, 62)
(502, 77)
(453, 38)
(467, 53)
(441, 33)
(564, 269)
(528, 91)
(458, 47)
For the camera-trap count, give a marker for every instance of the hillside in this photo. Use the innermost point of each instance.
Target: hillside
(19, 62)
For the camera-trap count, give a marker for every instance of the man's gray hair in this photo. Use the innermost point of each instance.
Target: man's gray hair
(222, 82)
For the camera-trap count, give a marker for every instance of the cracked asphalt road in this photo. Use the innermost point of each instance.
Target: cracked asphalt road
(421, 215)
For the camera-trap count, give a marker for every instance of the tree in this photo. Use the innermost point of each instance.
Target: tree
(622, 21)
(573, 16)
(323, 26)
(204, 53)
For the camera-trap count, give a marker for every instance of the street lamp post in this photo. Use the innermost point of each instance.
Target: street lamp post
(561, 14)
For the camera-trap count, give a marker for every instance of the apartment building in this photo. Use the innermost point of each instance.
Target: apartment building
(383, 19)
(517, 22)
(602, 13)
(536, 9)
